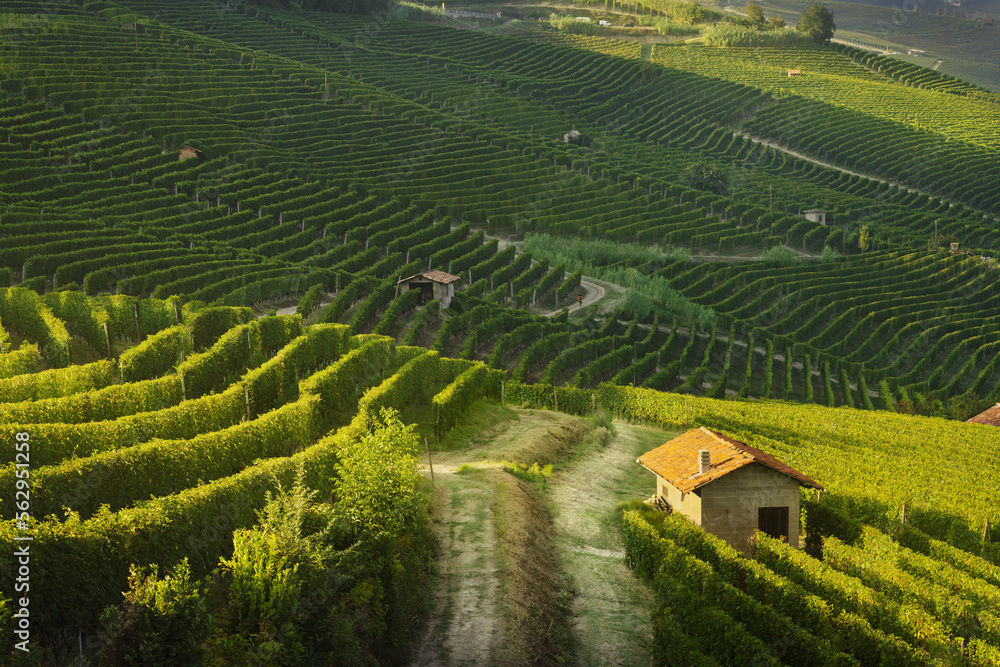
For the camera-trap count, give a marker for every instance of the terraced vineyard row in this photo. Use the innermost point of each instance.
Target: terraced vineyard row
(165, 468)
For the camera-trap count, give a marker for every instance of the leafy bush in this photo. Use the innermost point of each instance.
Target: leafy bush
(779, 256)
(162, 622)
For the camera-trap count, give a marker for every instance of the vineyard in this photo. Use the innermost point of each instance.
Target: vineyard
(173, 173)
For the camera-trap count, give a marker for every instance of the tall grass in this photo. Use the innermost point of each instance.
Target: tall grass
(613, 262)
(666, 26)
(570, 24)
(730, 34)
(779, 256)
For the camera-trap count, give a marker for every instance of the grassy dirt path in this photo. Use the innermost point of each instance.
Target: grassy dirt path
(607, 620)
(464, 628)
(612, 607)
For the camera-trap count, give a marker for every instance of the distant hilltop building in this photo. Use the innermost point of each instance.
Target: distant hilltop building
(727, 487)
(432, 285)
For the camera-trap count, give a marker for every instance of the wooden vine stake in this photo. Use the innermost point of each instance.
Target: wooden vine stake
(107, 337)
(903, 514)
(555, 399)
(430, 464)
(502, 393)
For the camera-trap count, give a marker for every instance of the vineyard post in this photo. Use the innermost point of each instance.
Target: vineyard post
(183, 389)
(246, 394)
(593, 402)
(135, 309)
(986, 531)
(430, 463)
(903, 514)
(107, 337)
(555, 399)
(502, 388)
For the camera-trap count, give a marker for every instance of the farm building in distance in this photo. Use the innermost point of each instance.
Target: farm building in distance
(989, 416)
(432, 285)
(816, 215)
(189, 151)
(728, 488)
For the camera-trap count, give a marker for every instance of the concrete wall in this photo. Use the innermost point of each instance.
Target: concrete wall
(729, 505)
(688, 504)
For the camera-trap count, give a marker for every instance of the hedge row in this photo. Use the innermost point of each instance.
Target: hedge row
(104, 404)
(450, 403)
(163, 467)
(25, 312)
(56, 382)
(24, 360)
(157, 355)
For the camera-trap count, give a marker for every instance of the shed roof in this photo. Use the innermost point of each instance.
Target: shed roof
(435, 276)
(677, 460)
(990, 416)
(815, 210)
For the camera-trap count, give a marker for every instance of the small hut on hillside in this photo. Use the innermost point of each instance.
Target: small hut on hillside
(189, 151)
(727, 487)
(989, 416)
(816, 215)
(432, 285)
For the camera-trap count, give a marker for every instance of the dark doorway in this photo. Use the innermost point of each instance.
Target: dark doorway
(426, 293)
(773, 521)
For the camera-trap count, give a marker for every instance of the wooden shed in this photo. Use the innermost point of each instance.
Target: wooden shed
(432, 285)
(727, 487)
(794, 72)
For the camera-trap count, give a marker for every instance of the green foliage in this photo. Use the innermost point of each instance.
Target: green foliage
(829, 254)
(377, 481)
(25, 359)
(731, 34)
(754, 13)
(157, 355)
(25, 312)
(56, 382)
(779, 256)
(571, 24)
(310, 300)
(163, 621)
(450, 403)
(706, 175)
(817, 23)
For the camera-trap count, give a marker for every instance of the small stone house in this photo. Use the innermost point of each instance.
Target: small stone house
(794, 72)
(432, 285)
(189, 151)
(816, 215)
(727, 487)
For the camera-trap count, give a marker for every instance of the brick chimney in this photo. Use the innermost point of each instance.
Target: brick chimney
(703, 461)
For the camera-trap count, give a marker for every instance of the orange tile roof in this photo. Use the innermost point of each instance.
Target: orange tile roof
(677, 460)
(990, 416)
(436, 276)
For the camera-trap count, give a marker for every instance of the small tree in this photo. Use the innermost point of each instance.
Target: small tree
(817, 23)
(755, 14)
(776, 22)
(706, 176)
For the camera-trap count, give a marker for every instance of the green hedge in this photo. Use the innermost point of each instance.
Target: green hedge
(56, 382)
(25, 312)
(22, 361)
(157, 355)
(111, 402)
(163, 467)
